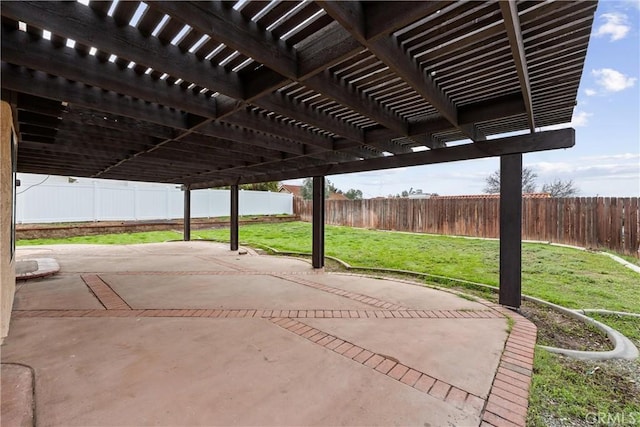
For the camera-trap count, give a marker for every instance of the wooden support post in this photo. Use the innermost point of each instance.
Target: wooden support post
(234, 222)
(318, 222)
(187, 214)
(510, 230)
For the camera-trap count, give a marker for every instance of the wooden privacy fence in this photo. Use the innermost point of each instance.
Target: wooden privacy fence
(590, 222)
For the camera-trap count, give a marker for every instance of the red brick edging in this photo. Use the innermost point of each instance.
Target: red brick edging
(385, 365)
(265, 314)
(508, 400)
(104, 293)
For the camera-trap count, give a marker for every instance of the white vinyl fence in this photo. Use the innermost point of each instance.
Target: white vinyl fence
(58, 200)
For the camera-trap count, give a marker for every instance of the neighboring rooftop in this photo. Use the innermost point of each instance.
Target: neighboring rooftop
(296, 190)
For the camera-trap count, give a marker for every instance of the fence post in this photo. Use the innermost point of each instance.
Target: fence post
(510, 230)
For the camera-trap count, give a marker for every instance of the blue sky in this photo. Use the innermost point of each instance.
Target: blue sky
(606, 158)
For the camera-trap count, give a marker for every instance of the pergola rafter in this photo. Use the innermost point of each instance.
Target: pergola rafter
(512, 24)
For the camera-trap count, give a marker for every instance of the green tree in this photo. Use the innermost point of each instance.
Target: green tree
(258, 186)
(307, 189)
(410, 192)
(353, 194)
(262, 186)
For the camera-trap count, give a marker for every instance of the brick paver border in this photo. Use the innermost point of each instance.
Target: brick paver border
(208, 273)
(385, 365)
(508, 400)
(265, 314)
(105, 294)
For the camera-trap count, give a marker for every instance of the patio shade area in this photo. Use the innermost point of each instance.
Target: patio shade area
(208, 94)
(189, 333)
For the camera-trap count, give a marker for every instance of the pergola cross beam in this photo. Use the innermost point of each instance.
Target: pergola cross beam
(540, 141)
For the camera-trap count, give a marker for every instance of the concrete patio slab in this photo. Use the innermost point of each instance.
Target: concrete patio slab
(244, 262)
(192, 334)
(199, 372)
(222, 291)
(26, 267)
(56, 293)
(399, 293)
(135, 262)
(420, 345)
(17, 395)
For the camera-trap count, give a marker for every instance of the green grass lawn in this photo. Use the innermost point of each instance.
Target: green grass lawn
(626, 325)
(571, 391)
(108, 239)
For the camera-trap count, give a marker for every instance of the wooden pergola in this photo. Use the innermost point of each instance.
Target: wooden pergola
(208, 94)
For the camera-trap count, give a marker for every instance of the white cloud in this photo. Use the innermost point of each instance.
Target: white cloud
(590, 92)
(612, 80)
(577, 170)
(635, 3)
(579, 119)
(616, 26)
(609, 157)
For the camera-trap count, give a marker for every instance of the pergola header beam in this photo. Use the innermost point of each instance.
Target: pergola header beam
(541, 141)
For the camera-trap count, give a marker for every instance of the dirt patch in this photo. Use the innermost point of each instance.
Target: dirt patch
(558, 330)
(614, 375)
